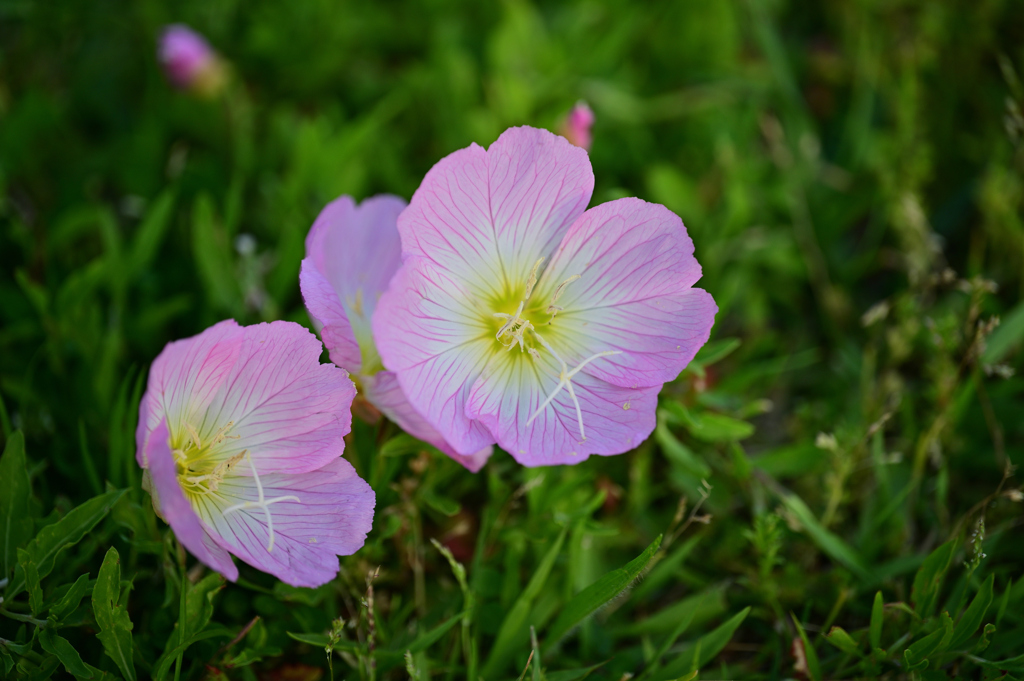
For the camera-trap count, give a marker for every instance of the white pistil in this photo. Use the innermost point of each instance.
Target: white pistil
(565, 381)
(261, 502)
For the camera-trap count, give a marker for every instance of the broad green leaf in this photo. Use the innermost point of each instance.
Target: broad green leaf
(975, 613)
(877, 615)
(838, 637)
(70, 600)
(151, 232)
(15, 490)
(1004, 601)
(925, 591)
(441, 504)
(679, 453)
(319, 640)
(66, 532)
(6, 658)
(813, 667)
(212, 255)
(706, 605)
(917, 654)
(112, 618)
(703, 650)
(1010, 332)
(68, 656)
(716, 351)
(514, 628)
(832, 545)
(599, 593)
(709, 426)
(666, 568)
(31, 575)
(682, 624)
(46, 668)
(573, 674)
(163, 665)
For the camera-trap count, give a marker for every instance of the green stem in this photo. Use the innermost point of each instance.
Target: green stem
(23, 618)
(181, 622)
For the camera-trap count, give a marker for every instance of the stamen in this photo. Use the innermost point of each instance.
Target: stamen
(532, 281)
(565, 381)
(196, 442)
(261, 502)
(560, 290)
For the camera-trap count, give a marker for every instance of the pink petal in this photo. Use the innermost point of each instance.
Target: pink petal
(429, 331)
(357, 250)
(285, 408)
(483, 215)
(385, 393)
(185, 377)
(634, 295)
(332, 517)
(329, 317)
(175, 508)
(514, 385)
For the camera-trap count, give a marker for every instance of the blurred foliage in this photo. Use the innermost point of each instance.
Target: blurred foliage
(830, 492)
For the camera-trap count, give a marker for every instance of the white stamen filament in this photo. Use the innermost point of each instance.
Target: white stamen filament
(261, 502)
(565, 380)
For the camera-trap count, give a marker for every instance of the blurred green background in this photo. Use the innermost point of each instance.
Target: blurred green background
(852, 175)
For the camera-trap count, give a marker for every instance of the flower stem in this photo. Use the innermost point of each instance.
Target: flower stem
(181, 622)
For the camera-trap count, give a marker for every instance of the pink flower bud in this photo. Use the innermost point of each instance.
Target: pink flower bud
(576, 126)
(189, 62)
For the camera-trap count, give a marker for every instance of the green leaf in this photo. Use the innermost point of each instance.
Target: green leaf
(68, 656)
(838, 637)
(198, 611)
(716, 351)
(703, 650)
(66, 532)
(111, 617)
(441, 504)
(318, 640)
(599, 593)
(212, 255)
(31, 575)
(514, 628)
(1010, 332)
(70, 600)
(573, 674)
(15, 490)
(832, 545)
(917, 654)
(46, 668)
(709, 426)
(813, 667)
(151, 233)
(429, 638)
(679, 453)
(975, 613)
(163, 665)
(877, 615)
(682, 624)
(925, 591)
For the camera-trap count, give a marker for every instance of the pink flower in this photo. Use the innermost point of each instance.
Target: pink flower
(240, 434)
(576, 126)
(520, 319)
(351, 254)
(189, 62)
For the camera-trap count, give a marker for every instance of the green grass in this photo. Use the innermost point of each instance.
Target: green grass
(830, 491)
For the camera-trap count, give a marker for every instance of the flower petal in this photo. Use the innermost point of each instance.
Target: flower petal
(329, 317)
(176, 510)
(285, 408)
(431, 332)
(357, 250)
(385, 393)
(634, 294)
(185, 377)
(332, 517)
(514, 385)
(487, 216)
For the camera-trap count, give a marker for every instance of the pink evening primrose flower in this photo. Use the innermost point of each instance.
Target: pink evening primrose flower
(188, 60)
(577, 124)
(521, 318)
(352, 251)
(240, 434)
